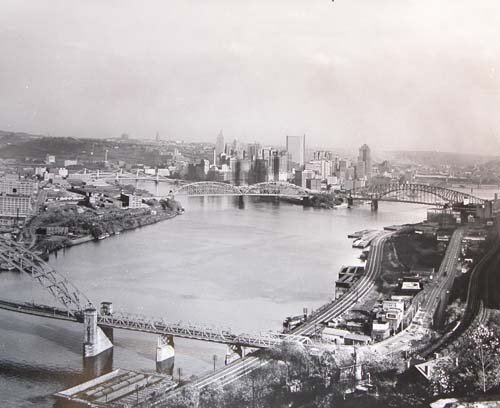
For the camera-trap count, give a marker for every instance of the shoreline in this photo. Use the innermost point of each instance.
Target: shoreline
(139, 222)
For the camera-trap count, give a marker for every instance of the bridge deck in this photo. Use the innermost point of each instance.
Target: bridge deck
(38, 310)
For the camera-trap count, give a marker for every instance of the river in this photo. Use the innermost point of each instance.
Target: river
(220, 264)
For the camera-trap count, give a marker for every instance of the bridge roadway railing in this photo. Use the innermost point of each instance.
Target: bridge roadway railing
(41, 310)
(161, 326)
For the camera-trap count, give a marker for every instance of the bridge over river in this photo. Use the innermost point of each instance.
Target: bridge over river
(399, 192)
(76, 307)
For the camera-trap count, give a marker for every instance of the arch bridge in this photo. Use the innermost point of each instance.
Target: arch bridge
(75, 306)
(415, 193)
(215, 188)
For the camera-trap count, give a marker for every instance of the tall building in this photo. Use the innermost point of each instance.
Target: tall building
(275, 167)
(296, 147)
(254, 151)
(16, 201)
(365, 162)
(219, 144)
(240, 169)
(322, 155)
(19, 187)
(258, 171)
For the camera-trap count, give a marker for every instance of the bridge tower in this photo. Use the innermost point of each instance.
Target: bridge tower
(95, 341)
(165, 354)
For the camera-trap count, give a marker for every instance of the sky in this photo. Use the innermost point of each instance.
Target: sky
(396, 74)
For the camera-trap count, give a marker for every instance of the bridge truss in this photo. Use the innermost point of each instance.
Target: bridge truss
(15, 256)
(160, 326)
(416, 193)
(214, 188)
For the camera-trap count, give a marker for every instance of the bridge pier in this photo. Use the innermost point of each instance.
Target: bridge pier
(95, 340)
(350, 202)
(98, 365)
(241, 202)
(374, 205)
(165, 354)
(233, 353)
(107, 310)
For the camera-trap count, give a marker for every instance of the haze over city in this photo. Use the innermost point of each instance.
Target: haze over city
(397, 75)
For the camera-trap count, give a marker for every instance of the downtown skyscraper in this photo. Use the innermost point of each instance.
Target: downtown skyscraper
(296, 147)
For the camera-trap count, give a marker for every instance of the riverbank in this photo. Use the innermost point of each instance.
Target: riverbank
(63, 228)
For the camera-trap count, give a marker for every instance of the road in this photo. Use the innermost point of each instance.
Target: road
(246, 365)
(476, 306)
(423, 320)
(357, 292)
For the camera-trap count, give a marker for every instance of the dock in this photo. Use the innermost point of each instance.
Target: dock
(348, 275)
(121, 388)
(365, 239)
(359, 234)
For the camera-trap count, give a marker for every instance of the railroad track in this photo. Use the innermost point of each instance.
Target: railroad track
(360, 289)
(476, 312)
(246, 365)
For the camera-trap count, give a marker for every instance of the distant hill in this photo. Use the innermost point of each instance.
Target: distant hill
(436, 158)
(15, 138)
(19, 146)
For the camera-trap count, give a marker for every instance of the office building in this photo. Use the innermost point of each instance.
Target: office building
(240, 169)
(258, 171)
(322, 155)
(296, 148)
(15, 206)
(18, 187)
(131, 200)
(364, 167)
(254, 151)
(219, 144)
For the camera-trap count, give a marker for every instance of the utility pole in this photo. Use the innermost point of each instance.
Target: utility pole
(215, 359)
(253, 390)
(482, 366)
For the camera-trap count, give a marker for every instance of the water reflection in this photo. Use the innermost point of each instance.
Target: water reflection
(243, 264)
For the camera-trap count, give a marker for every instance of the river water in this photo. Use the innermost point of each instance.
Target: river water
(219, 264)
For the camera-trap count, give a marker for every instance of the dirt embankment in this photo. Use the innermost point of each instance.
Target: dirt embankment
(404, 253)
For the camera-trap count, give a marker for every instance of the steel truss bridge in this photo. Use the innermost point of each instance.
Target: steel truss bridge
(214, 188)
(14, 256)
(415, 193)
(189, 331)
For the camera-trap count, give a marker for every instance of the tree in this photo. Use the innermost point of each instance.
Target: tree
(473, 365)
(454, 311)
(188, 397)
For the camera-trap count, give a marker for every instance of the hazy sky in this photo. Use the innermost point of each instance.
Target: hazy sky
(397, 74)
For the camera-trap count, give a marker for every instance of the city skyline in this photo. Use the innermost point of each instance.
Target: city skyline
(285, 70)
(261, 204)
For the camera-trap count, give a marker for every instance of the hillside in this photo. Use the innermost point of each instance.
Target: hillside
(435, 158)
